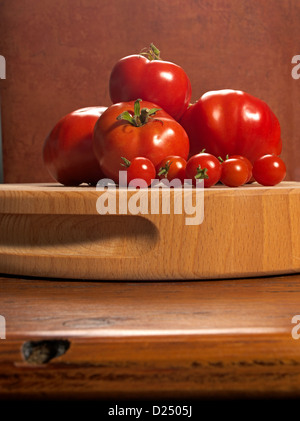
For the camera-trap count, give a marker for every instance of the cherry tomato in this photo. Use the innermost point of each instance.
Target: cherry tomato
(234, 123)
(137, 129)
(204, 166)
(68, 149)
(269, 170)
(248, 164)
(139, 168)
(152, 79)
(235, 172)
(172, 167)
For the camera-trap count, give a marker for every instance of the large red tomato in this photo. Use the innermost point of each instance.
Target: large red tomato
(229, 122)
(151, 79)
(136, 129)
(68, 149)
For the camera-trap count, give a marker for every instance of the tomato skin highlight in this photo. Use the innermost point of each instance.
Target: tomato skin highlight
(269, 170)
(68, 149)
(249, 165)
(159, 137)
(235, 172)
(174, 168)
(234, 123)
(162, 82)
(204, 161)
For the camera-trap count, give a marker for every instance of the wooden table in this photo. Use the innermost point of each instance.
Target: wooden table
(135, 340)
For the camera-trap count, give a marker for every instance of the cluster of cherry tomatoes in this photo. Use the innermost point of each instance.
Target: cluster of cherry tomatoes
(153, 131)
(234, 171)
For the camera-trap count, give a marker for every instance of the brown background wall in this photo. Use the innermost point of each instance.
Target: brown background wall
(59, 55)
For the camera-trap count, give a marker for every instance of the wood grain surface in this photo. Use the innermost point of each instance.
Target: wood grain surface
(56, 231)
(206, 339)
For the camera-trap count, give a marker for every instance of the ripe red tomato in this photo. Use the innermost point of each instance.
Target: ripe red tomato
(269, 170)
(152, 79)
(235, 172)
(204, 166)
(139, 168)
(68, 149)
(133, 129)
(228, 122)
(172, 167)
(249, 165)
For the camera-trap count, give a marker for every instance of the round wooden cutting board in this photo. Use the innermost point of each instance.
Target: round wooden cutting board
(50, 230)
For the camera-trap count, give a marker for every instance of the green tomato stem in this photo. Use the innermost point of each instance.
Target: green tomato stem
(152, 53)
(127, 163)
(140, 117)
(201, 173)
(164, 170)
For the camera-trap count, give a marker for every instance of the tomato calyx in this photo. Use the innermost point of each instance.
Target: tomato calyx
(165, 169)
(140, 116)
(201, 173)
(126, 163)
(152, 53)
(222, 160)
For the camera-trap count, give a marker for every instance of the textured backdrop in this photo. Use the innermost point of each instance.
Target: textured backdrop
(59, 55)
